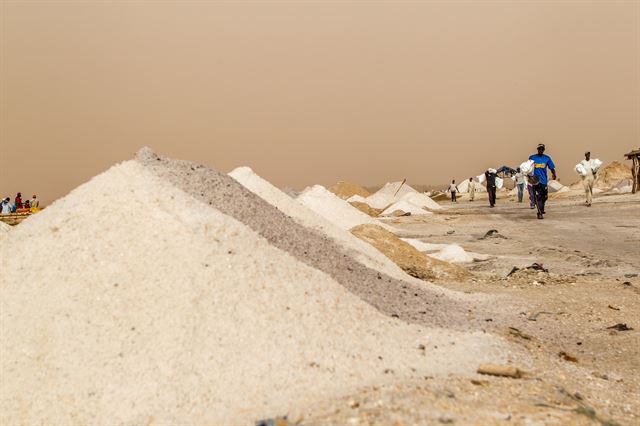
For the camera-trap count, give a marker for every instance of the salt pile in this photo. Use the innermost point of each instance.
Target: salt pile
(387, 195)
(403, 206)
(363, 252)
(186, 316)
(453, 253)
(332, 208)
(421, 200)
(444, 307)
(625, 186)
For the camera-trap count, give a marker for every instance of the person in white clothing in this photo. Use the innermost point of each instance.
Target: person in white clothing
(589, 178)
(454, 190)
(472, 189)
(520, 181)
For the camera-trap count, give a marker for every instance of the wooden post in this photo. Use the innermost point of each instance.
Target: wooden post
(634, 156)
(635, 171)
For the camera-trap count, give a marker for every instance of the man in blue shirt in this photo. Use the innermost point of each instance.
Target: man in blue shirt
(540, 164)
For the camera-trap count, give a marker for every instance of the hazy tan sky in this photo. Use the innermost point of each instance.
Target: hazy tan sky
(314, 92)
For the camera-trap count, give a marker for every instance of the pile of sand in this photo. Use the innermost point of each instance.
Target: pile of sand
(402, 208)
(366, 208)
(412, 261)
(389, 194)
(346, 190)
(610, 175)
(186, 315)
(332, 208)
(361, 251)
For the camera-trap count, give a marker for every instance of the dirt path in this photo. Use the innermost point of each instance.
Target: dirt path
(583, 372)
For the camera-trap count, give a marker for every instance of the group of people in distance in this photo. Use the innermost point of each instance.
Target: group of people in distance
(18, 206)
(537, 183)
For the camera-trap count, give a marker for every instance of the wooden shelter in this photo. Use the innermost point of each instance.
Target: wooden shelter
(634, 156)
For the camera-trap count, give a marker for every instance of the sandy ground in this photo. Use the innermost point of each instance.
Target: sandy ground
(583, 372)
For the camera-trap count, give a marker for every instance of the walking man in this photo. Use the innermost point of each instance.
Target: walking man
(453, 189)
(589, 178)
(472, 189)
(491, 176)
(520, 183)
(541, 162)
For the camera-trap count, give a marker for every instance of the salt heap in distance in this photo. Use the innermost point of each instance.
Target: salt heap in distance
(173, 314)
(361, 251)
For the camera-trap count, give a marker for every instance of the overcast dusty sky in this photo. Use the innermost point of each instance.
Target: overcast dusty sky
(314, 92)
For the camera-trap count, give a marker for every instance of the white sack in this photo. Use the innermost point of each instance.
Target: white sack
(581, 170)
(595, 165)
(527, 167)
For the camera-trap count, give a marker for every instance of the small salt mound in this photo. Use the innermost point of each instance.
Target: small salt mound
(185, 315)
(406, 207)
(332, 208)
(363, 252)
(421, 200)
(385, 195)
(625, 186)
(422, 246)
(453, 253)
(447, 252)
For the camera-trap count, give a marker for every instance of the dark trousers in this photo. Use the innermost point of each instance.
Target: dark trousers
(541, 193)
(532, 196)
(453, 197)
(520, 192)
(492, 195)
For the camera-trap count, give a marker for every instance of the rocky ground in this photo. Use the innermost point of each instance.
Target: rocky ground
(579, 322)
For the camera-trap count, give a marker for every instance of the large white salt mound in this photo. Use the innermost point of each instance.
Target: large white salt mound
(405, 207)
(386, 195)
(421, 200)
(336, 210)
(463, 186)
(363, 252)
(184, 315)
